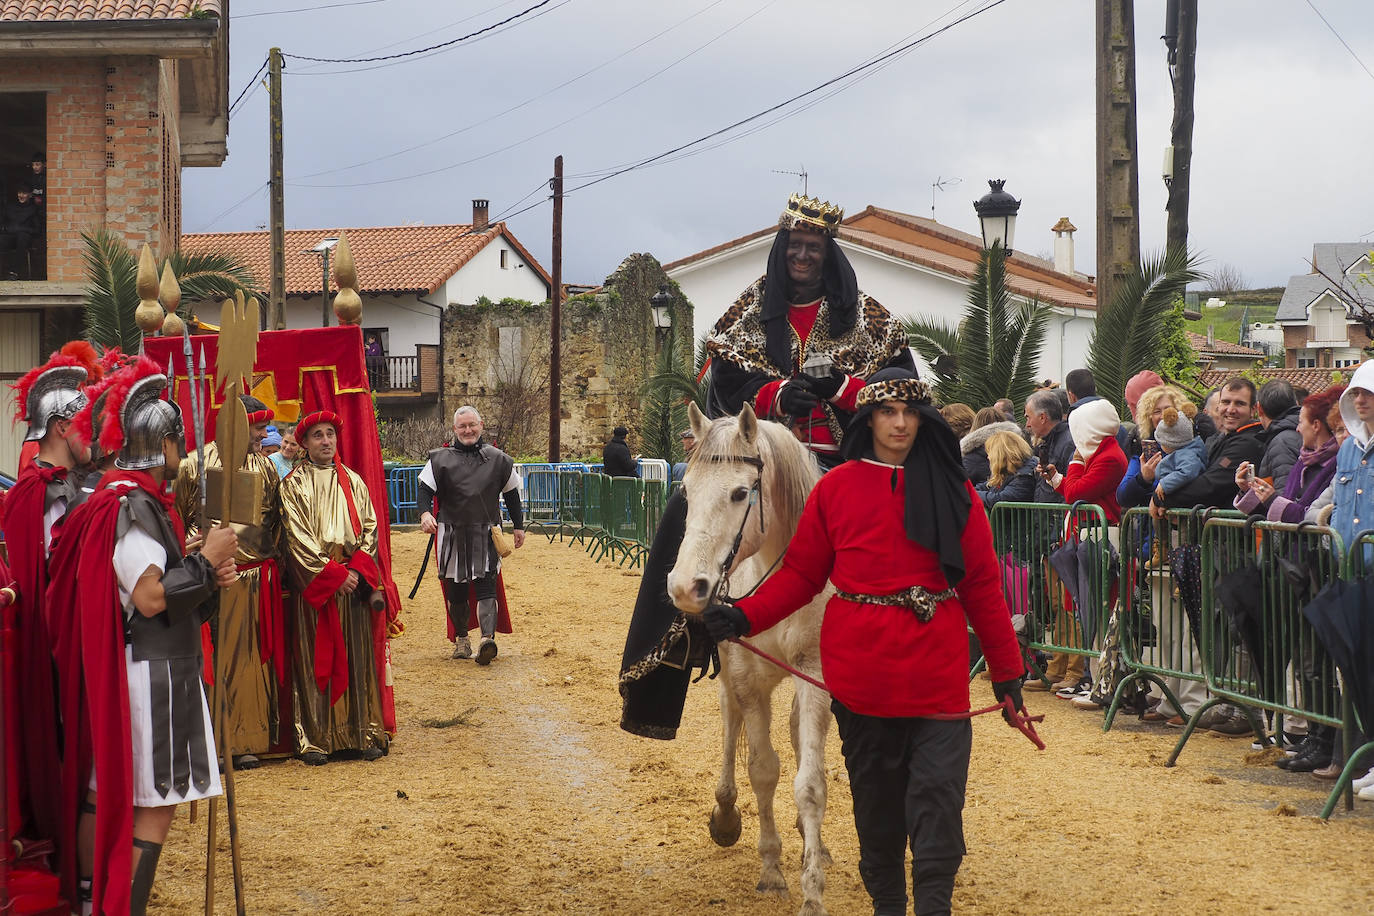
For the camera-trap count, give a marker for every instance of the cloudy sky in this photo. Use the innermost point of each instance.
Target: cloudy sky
(1283, 135)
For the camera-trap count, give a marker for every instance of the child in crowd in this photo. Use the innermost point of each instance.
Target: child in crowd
(1185, 455)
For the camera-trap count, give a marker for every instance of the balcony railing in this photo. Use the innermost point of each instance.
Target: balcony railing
(416, 374)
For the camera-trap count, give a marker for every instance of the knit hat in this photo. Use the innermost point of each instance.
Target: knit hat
(1140, 383)
(273, 438)
(1090, 423)
(1174, 430)
(620, 432)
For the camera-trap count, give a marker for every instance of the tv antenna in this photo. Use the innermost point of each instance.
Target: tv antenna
(801, 175)
(939, 184)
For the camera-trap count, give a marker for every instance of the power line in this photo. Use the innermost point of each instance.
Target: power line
(1340, 39)
(232, 207)
(547, 130)
(426, 33)
(305, 9)
(252, 81)
(529, 101)
(870, 64)
(435, 47)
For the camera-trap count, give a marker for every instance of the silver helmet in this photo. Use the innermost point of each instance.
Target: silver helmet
(55, 395)
(147, 420)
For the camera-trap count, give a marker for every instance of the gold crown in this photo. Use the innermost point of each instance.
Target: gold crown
(810, 212)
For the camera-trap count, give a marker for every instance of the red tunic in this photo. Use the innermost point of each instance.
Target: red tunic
(879, 660)
(814, 430)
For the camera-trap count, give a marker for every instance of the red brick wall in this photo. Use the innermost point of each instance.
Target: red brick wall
(113, 152)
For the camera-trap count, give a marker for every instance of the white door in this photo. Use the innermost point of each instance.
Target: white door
(18, 354)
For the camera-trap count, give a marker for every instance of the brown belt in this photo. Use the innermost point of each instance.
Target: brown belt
(918, 598)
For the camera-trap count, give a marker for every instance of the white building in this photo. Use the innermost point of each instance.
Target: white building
(915, 267)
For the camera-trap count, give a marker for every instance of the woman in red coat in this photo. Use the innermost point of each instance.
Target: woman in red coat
(1098, 463)
(899, 532)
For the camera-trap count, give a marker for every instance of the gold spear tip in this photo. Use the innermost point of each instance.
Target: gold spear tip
(345, 271)
(147, 274)
(169, 290)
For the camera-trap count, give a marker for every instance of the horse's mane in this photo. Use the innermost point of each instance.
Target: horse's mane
(789, 467)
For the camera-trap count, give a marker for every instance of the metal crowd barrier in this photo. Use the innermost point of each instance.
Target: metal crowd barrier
(540, 499)
(1158, 616)
(402, 489)
(1055, 562)
(1258, 649)
(1359, 565)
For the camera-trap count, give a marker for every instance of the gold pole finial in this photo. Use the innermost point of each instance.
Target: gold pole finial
(348, 305)
(149, 315)
(169, 291)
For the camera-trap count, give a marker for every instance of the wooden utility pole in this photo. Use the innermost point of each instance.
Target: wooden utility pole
(556, 316)
(1118, 172)
(276, 304)
(1182, 61)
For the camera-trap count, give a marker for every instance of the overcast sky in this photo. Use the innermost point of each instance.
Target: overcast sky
(1283, 140)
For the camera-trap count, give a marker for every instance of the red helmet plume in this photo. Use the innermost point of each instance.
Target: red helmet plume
(111, 426)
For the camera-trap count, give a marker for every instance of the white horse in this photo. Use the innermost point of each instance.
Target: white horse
(749, 480)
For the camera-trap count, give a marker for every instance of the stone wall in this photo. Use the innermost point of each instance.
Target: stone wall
(496, 358)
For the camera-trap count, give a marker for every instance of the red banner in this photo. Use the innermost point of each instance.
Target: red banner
(296, 373)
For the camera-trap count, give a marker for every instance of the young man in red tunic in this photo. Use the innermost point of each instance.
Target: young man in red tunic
(898, 531)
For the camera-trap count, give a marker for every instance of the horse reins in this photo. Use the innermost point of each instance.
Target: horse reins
(1017, 718)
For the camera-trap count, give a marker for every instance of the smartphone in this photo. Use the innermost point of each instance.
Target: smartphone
(1148, 449)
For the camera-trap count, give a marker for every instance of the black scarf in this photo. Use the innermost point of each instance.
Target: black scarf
(841, 296)
(473, 449)
(937, 500)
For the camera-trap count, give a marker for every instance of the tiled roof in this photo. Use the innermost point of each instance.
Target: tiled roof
(950, 252)
(390, 259)
(1313, 380)
(1221, 347)
(102, 10)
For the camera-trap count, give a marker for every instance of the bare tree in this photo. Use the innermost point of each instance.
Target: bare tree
(1227, 278)
(516, 408)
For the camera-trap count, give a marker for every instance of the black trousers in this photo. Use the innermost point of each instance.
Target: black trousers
(457, 595)
(907, 777)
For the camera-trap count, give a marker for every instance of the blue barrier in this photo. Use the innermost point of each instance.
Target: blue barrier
(402, 491)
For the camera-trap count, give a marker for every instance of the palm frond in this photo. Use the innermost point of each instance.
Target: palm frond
(211, 276)
(1128, 334)
(111, 292)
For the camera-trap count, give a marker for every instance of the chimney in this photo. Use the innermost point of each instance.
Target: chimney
(479, 215)
(1211, 337)
(1063, 245)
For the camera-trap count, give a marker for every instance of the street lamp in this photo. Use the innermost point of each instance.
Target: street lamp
(997, 215)
(325, 246)
(661, 303)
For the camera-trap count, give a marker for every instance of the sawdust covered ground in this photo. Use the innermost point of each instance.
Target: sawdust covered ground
(534, 801)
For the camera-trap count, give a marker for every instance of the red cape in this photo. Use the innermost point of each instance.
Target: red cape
(35, 758)
(88, 636)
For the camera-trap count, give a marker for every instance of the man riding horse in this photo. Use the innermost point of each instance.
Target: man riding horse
(797, 346)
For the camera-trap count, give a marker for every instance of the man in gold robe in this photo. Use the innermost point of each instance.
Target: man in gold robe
(250, 642)
(331, 535)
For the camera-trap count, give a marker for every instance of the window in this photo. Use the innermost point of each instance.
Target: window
(1343, 363)
(1307, 362)
(505, 259)
(23, 185)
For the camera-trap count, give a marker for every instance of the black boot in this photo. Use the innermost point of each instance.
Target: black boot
(1318, 753)
(142, 887)
(932, 885)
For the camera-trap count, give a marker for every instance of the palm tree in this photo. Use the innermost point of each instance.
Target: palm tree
(111, 296)
(666, 394)
(1129, 334)
(995, 350)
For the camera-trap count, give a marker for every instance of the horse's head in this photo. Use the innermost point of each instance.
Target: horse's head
(746, 479)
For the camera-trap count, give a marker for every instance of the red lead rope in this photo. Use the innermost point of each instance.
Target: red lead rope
(1016, 718)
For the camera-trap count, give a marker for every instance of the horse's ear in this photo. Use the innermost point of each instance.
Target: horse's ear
(748, 425)
(698, 421)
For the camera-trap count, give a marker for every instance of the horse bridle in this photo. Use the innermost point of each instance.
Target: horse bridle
(722, 590)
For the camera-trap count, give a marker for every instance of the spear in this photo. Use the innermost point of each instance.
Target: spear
(197, 418)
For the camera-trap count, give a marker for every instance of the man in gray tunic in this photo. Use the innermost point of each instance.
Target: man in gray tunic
(467, 478)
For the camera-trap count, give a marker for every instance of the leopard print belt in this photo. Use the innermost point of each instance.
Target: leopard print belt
(918, 598)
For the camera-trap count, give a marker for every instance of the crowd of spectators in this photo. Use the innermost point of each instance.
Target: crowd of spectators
(22, 194)
(1277, 453)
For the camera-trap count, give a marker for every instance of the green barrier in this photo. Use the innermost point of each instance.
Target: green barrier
(1258, 650)
(1034, 542)
(655, 498)
(623, 521)
(571, 514)
(1158, 616)
(1359, 564)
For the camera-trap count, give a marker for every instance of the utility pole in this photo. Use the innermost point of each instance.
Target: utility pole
(556, 315)
(1182, 27)
(1118, 172)
(276, 304)
(324, 291)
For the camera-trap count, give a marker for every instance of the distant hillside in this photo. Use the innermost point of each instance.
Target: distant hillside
(1225, 321)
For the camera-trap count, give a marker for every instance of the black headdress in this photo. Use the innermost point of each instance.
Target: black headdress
(841, 296)
(937, 500)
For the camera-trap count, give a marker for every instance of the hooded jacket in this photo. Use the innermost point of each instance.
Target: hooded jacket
(1094, 477)
(1282, 443)
(1353, 485)
(973, 448)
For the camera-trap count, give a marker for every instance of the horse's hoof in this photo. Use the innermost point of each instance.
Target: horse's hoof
(813, 908)
(772, 883)
(725, 826)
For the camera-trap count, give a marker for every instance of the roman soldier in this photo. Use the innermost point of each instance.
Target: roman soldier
(49, 397)
(466, 478)
(331, 537)
(127, 607)
(250, 629)
(797, 345)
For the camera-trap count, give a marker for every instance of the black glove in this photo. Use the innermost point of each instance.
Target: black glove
(797, 398)
(1012, 688)
(725, 621)
(827, 385)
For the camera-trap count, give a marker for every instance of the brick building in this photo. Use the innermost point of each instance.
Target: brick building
(115, 96)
